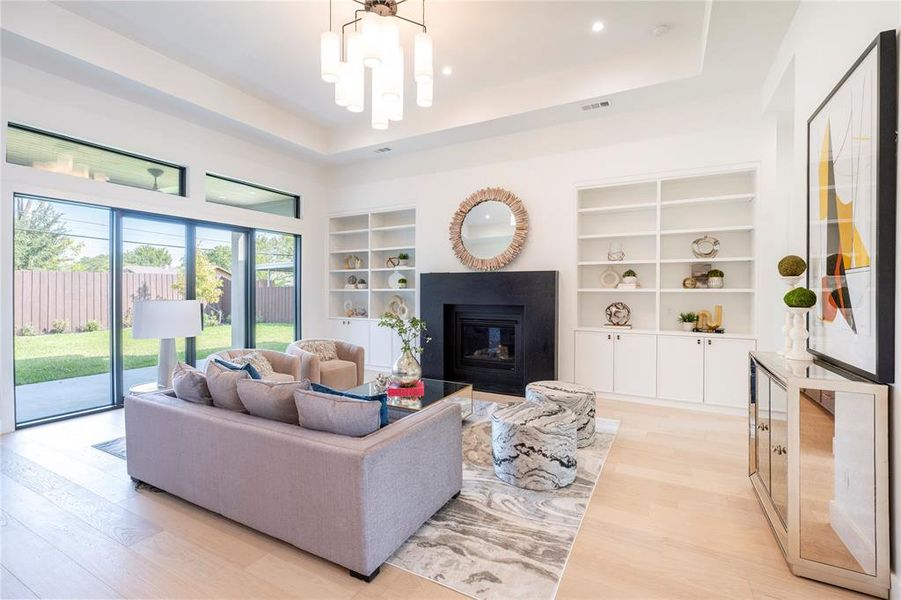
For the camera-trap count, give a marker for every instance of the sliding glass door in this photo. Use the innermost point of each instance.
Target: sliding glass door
(79, 270)
(61, 307)
(221, 277)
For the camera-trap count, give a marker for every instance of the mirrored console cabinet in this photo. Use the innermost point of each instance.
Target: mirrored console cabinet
(818, 461)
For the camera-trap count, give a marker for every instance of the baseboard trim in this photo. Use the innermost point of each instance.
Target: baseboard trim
(695, 406)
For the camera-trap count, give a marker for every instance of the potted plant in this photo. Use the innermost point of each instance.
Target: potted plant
(401, 283)
(791, 268)
(406, 371)
(714, 278)
(403, 259)
(800, 298)
(688, 320)
(799, 302)
(361, 284)
(630, 277)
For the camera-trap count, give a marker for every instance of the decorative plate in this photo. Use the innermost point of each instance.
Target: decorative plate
(690, 283)
(618, 313)
(705, 247)
(610, 278)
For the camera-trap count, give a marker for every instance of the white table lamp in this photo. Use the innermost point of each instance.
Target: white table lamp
(166, 320)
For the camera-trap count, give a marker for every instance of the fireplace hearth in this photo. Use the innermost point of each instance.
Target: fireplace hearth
(497, 331)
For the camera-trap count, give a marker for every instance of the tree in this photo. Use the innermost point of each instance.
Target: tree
(41, 237)
(99, 263)
(220, 255)
(148, 256)
(274, 249)
(208, 287)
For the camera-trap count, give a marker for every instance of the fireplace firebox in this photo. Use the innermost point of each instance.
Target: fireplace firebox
(485, 342)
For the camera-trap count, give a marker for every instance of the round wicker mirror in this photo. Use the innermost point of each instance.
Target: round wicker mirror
(489, 229)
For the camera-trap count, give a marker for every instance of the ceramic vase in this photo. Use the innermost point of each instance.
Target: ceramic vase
(715, 282)
(799, 334)
(406, 370)
(689, 326)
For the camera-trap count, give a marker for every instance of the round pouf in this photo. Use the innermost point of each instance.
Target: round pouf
(534, 445)
(576, 398)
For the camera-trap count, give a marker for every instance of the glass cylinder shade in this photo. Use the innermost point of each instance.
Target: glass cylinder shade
(356, 98)
(389, 35)
(422, 59)
(396, 109)
(370, 29)
(424, 93)
(343, 85)
(330, 56)
(392, 74)
(379, 110)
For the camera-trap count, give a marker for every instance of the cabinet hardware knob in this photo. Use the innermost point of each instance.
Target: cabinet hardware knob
(699, 341)
(617, 336)
(609, 337)
(709, 343)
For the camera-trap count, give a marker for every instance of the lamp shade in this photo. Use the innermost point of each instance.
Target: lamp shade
(422, 58)
(165, 319)
(424, 92)
(355, 73)
(370, 29)
(330, 56)
(379, 110)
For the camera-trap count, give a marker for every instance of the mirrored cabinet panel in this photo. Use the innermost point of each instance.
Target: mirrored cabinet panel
(818, 461)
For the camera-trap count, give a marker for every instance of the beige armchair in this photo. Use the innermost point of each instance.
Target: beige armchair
(286, 366)
(342, 373)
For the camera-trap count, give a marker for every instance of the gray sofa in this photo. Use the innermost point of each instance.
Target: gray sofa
(352, 501)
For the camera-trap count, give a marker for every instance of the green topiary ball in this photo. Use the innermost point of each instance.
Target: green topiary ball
(800, 298)
(792, 266)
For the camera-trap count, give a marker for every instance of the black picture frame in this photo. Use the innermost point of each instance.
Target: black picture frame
(885, 45)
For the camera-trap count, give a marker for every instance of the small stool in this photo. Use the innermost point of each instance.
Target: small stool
(577, 398)
(534, 445)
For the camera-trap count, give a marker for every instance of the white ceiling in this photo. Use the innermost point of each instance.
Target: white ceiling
(511, 60)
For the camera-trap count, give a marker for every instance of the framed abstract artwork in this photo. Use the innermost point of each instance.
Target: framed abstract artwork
(851, 206)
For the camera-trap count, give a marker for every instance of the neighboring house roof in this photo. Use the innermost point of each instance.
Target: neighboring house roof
(150, 270)
(282, 266)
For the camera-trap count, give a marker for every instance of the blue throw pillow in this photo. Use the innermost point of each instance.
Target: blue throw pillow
(251, 370)
(383, 398)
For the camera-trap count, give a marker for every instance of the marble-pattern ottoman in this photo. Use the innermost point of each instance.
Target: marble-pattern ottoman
(534, 445)
(577, 398)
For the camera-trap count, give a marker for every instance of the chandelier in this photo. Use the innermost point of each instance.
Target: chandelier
(374, 43)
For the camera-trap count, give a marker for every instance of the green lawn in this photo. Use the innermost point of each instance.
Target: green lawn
(64, 355)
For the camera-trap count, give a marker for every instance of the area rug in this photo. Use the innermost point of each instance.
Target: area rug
(499, 541)
(115, 447)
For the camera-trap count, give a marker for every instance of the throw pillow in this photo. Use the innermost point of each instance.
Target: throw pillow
(382, 398)
(257, 360)
(271, 399)
(190, 385)
(251, 370)
(324, 349)
(223, 385)
(336, 414)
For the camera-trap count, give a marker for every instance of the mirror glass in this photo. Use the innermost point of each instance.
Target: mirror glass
(838, 479)
(488, 229)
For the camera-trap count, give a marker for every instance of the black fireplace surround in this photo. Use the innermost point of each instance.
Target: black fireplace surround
(496, 330)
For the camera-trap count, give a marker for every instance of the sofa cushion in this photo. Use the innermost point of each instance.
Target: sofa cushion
(257, 360)
(227, 364)
(336, 414)
(324, 349)
(190, 385)
(270, 399)
(339, 374)
(223, 385)
(280, 377)
(381, 398)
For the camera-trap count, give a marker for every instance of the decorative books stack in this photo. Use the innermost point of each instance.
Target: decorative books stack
(415, 391)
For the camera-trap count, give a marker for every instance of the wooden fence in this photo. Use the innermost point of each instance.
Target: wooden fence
(42, 298)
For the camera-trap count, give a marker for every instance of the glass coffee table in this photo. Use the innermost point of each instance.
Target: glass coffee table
(436, 391)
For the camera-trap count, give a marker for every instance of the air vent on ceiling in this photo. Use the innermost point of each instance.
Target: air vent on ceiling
(382, 150)
(596, 105)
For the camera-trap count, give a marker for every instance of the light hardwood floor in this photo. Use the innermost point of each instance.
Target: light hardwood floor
(673, 516)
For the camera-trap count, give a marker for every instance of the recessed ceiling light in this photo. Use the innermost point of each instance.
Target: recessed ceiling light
(597, 26)
(447, 70)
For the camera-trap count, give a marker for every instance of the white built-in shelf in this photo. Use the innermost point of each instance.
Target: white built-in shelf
(407, 268)
(702, 230)
(349, 232)
(709, 200)
(394, 290)
(618, 208)
(616, 290)
(601, 236)
(708, 290)
(392, 248)
(353, 251)
(348, 290)
(654, 220)
(720, 259)
(394, 227)
(348, 271)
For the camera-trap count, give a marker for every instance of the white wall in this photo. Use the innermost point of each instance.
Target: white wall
(543, 167)
(824, 40)
(36, 98)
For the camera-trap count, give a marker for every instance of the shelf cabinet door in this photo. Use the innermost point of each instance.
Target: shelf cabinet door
(384, 346)
(726, 371)
(594, 360)
(635, 364)
(762, 395)
(680, 368)
(353, 331)
(779, 449)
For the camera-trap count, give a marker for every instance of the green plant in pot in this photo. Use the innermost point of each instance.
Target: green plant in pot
(800, 298)
(688, 320)
(791, 269)
(715, 278)
(402, 283)
(403, 259)
(406, 370)
(630, 277)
